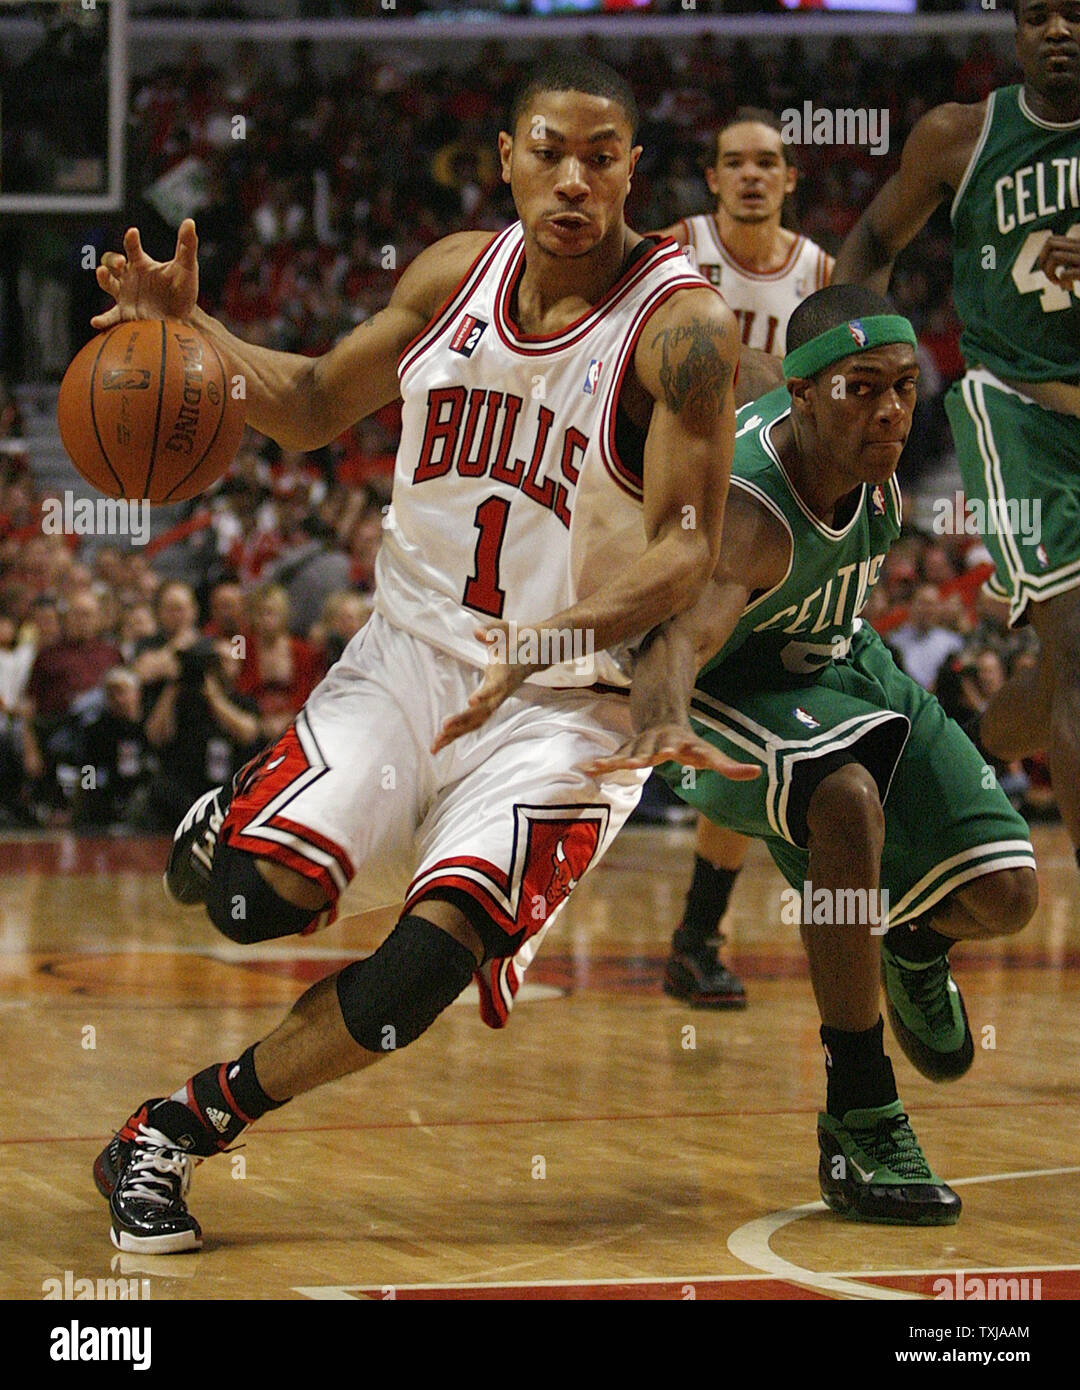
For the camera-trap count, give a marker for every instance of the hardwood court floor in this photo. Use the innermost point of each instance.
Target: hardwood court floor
(609, 1143)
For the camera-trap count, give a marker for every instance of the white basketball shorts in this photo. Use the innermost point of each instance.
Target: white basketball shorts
(503, 815)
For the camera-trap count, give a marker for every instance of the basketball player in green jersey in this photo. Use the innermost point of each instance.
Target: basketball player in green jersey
(1011, 166)
(871, 802)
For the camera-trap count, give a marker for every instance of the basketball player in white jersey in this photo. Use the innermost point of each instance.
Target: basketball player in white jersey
(568, 427)
(763, 270)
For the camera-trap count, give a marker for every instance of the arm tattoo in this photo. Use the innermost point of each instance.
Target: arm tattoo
(692, 371)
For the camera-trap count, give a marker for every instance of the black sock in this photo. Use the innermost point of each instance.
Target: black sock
(706, 903)
(227, 1098)
(860, 1075)
(920, 946)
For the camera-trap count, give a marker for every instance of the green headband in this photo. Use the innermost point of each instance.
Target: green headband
(857, 335)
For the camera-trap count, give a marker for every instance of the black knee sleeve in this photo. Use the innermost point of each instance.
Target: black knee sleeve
(388, 1000)
(244, 907)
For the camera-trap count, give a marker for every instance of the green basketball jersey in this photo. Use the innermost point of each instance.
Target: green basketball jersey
(788, 634)
(1021, 186)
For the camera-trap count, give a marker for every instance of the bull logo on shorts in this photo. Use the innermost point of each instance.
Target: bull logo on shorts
(562, 880)
(557, 851)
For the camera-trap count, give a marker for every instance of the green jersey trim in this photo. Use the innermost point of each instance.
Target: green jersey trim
(777, 511)
(1025, 110)
(961, 868)
(976, 154)
(815, 521)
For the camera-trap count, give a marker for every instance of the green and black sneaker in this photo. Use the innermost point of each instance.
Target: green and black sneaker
(927, 1014)
(872, 1169)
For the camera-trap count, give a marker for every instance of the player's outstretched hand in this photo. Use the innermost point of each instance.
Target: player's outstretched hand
(501, 679)
(148, 289)
(1059, 260)
(671, 743)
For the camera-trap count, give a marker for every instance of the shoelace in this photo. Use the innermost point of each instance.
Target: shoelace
(929, 992)
(157, 1171)
(892, 1142)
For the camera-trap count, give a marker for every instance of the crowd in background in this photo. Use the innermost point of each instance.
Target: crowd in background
(312, 193)
(133, 678)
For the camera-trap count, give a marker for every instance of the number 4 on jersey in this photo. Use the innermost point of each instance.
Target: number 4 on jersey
(1028, 279)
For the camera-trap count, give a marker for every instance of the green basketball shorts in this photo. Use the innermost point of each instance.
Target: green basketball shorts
(946, 819)
(1021, 471)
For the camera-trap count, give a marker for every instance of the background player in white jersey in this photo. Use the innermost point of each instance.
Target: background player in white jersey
(568, 428)
(763, 270)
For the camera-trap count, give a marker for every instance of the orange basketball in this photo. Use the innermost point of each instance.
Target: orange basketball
(146, 409)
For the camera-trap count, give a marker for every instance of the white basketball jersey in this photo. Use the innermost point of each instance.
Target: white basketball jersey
(762, 303)
(510, 499)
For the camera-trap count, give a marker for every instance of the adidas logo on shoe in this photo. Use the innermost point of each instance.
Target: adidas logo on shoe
(218, 1118)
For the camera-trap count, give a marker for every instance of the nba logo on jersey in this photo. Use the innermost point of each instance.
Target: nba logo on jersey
(858, 332)
(877, 498)
(467, 335)
(592, 376)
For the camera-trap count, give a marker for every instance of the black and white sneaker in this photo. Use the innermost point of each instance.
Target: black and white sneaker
(146, 1176)
(191, 859)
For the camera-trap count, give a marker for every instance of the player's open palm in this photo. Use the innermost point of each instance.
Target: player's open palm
(501, 678)
(671, 743)
(147, 289)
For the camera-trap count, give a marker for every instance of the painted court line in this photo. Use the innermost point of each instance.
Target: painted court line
(750, 1244)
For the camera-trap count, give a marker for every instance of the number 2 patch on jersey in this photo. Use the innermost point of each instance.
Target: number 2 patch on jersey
(467, 335)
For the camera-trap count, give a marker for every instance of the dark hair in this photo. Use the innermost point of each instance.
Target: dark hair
(576, 72)
(760, 116)
(832, 306)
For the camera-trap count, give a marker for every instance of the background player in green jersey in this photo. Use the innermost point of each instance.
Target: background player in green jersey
(1011, 166)
(867, 789)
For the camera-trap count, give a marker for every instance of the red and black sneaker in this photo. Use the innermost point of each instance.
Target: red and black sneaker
(697, 976)
(145, 1174)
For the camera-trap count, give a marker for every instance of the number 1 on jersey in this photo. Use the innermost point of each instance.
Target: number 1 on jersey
(482, 590)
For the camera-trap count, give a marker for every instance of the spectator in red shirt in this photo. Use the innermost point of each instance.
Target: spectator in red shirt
(280, 671)
(61, 673)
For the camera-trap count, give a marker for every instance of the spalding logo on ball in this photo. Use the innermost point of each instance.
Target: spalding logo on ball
(145, 410)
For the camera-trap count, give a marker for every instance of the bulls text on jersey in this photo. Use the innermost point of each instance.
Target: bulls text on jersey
(546, 475)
